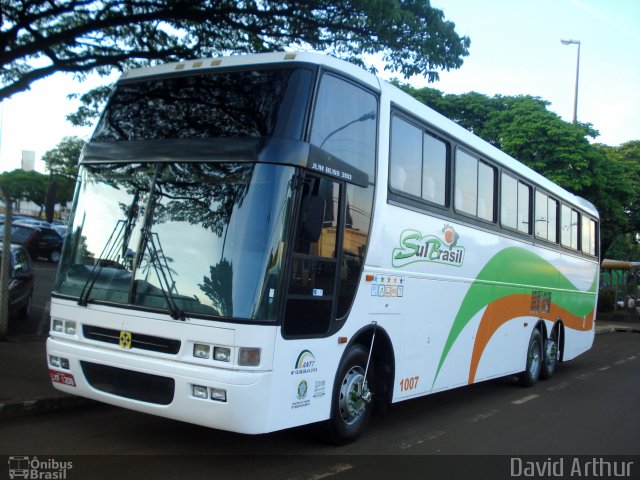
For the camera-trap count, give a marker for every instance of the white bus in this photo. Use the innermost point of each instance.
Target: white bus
(265, 241)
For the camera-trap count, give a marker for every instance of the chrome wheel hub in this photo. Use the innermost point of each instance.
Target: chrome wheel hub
(351, 402)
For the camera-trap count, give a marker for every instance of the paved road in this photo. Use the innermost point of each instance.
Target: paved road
(590, 407)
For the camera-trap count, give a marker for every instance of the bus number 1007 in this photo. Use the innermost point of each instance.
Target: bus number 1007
(407, 384)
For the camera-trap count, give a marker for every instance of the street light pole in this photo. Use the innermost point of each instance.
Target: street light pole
(575, 99)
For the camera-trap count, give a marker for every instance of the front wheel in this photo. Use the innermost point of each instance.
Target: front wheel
(351, 405)
(534, 360)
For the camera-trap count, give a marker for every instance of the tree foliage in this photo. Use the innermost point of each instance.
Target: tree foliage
(63, 159)
(42, 37)
(524, 128)
(30, 186)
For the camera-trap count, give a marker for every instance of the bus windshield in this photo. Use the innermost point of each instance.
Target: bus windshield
(199, 239)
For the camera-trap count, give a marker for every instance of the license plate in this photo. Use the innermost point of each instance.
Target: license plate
(63, 378)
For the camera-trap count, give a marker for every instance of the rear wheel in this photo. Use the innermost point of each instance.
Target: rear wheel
(534, 360)
(550, 356)
(351, 405)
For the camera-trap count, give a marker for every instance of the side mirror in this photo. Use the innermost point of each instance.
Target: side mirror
(312, 218)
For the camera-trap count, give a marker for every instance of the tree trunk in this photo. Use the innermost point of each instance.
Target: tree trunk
(5, 270)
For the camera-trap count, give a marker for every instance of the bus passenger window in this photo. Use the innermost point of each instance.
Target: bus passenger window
(515, 199)
(486, 188)
(434, 172)
(508, 202)
(588, 228)
(569, 226)
(406, 157)
(553, 220)
(466, 183)
(474, 186)
(524, 198)
(541, 215)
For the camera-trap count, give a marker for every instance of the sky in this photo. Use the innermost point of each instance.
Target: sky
(515, 50)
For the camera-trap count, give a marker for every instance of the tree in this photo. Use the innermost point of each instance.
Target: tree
(617, 195)
(62, 164)
(29, 186)
(42, 37)
(63, 159)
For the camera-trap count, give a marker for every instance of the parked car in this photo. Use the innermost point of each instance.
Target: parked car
(39, 241)
(21, 283)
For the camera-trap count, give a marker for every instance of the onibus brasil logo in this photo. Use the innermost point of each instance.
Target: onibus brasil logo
(416, 247)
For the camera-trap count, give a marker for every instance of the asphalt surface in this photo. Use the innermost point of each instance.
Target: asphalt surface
(588, 411)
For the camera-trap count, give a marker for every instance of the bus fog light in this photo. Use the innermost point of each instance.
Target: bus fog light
(64, 363)
(218, 394)
(201, 351)
(70, 328)
(222, 354)
(249, 357)
(54, 361)
(200, 391)
(58, 326)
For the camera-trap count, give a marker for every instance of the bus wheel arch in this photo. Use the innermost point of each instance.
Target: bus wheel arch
(383, 361)
(350, 415)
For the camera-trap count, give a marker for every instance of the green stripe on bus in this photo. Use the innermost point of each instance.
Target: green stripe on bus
(532, 272)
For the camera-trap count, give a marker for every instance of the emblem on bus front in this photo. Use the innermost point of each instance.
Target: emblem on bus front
(125, 339)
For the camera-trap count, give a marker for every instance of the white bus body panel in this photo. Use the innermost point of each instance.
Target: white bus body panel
(240, 413)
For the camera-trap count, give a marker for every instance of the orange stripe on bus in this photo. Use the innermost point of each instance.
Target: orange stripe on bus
(507, 308)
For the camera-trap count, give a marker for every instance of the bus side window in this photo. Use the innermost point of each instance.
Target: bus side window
(569, 227)
(344, 123)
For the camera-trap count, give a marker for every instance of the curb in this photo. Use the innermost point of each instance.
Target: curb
(16, 409)
(617, 328)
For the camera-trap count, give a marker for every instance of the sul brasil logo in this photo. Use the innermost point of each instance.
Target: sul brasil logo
(415, 247)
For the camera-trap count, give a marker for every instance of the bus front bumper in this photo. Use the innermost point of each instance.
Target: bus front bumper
(230, 400)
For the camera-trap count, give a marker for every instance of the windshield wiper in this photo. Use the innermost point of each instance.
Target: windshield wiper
(109, 255)
(166, 283)
(115, 251)
(155, 256)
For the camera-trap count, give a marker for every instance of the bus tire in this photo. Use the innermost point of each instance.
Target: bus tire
(350, 413)
(532, 371)
(550, 361)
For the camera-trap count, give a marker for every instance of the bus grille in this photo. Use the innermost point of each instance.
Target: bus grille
(138, 340)
(126, 383)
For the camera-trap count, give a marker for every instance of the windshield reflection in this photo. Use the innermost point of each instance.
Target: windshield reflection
(188, 238)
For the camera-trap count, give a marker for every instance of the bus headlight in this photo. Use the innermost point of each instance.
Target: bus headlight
(249, 357)
(70, 328)
(200, 392)
(218, 394)
(58, 326)
(201, 351)
(222, 354)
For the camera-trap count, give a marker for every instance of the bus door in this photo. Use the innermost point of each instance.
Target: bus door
(315, 259)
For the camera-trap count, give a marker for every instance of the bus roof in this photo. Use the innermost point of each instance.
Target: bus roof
(403, 100)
